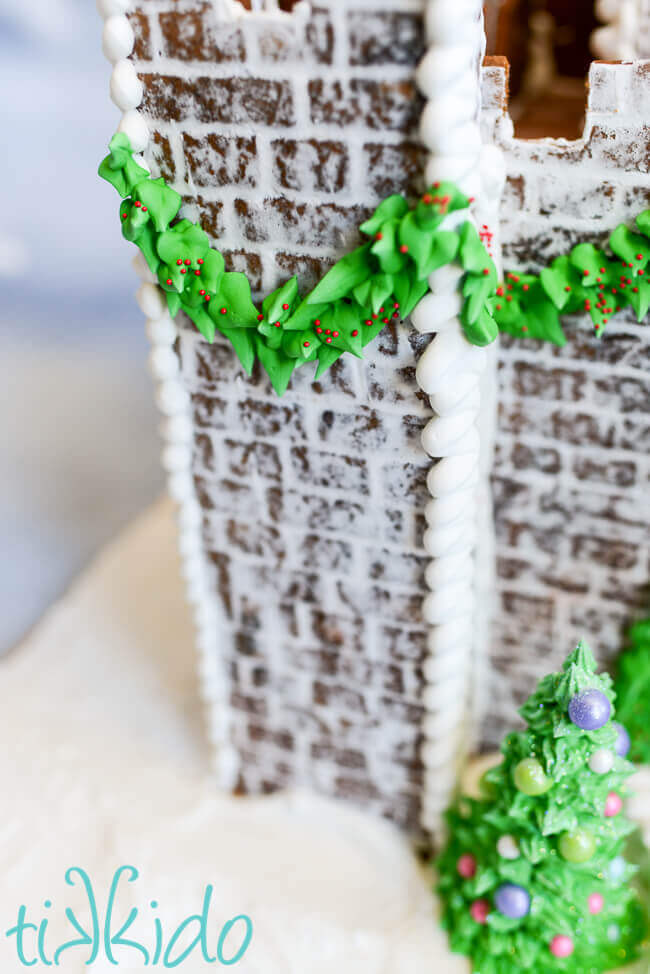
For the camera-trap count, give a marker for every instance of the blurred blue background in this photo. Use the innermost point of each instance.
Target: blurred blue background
(79, 446)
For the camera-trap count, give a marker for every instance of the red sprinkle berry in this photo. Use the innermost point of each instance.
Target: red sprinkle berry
(355, 333)
(379, 236)
(285, 307)
(426, 199)
(137, 203)
(403, 249)
(124, 216)
(201, 292)
(200, 261)
(567, 288)
(198, 273)
(260, 317)
(183, 271)
(526, 287)
(486, 271)
(368, 321)
(317, 321)
(168, 281)
(223, 311)
(395, 314)
(179, 262)
(585, 272)
(639, 256)
(396, 305)
(277, 325)
(144, 209)
(187, 263)
(305, 344)
(329, 341)
(319, 331)
(328, 331)
(335, 334)
(207, 297)
(385, 320)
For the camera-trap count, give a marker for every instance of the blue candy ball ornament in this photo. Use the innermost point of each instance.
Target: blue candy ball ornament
(622, 745)
(589, 710)
(512, 901)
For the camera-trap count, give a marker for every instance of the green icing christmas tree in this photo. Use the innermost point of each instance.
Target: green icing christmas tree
(632, 686)
(532, 877)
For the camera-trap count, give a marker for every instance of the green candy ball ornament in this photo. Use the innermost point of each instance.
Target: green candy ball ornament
(578, 846)
(529, 776)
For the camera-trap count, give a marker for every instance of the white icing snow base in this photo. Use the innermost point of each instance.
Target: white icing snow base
(104, 765)
(107, 767)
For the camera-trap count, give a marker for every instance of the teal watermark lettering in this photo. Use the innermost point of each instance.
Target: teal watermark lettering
(147, 944)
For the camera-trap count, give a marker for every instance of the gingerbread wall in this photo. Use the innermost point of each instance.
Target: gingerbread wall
(282, 135)
(572, 466)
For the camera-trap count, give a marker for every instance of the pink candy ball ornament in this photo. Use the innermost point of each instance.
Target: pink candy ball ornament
(613, 805)
(561, 946)
(595, 902)
(479, 911)
(466, 866)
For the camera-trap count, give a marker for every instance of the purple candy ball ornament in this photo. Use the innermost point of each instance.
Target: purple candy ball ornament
(622, 745)
(512, 901)
(589, 710)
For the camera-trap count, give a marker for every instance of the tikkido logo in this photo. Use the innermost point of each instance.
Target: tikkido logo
(104, 938)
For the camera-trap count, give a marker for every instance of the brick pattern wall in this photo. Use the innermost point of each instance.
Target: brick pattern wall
(282, 135)
(571, 471)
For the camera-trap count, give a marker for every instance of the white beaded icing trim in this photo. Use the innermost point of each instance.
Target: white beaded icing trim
(174, 403)
(617, 39)
(449, 372)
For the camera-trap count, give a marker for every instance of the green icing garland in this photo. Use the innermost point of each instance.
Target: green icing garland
(632, 686)
(550, 814)
(384, 278)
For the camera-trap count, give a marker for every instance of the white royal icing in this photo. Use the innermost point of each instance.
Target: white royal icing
(449, 371)
(117, 38)
(174, 403)
(618, 38)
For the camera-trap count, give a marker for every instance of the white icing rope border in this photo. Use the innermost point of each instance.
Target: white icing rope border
(174, 403)
(449, 372)
(617, 39)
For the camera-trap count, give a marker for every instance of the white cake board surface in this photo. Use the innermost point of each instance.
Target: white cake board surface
(105, 765)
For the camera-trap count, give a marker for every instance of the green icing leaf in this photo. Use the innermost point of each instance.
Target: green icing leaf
(327, 356)
(235, 296)
(182, 244)
(162, 202)
(630, 247)
(382, 288)
(173, 302)
(443, 251)
(285, 295)
(587, 260)
(243, 342)
(346, 274)
(278, 368)
(418, 243)
(392, 208)
(202, 320)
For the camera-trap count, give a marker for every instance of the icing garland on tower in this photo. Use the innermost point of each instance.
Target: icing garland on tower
(383, 279)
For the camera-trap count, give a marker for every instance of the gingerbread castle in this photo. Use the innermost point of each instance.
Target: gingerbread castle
(363, 615)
